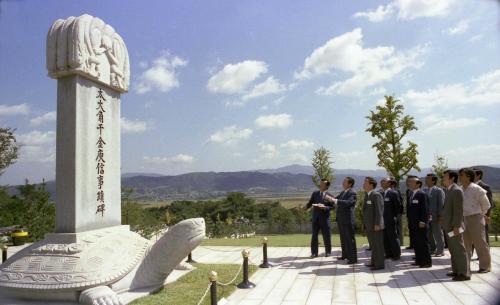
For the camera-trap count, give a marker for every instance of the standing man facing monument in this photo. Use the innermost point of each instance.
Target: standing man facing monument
(436, 203)
(346, 202)
(453, 226)
(418, 220)
(373, 219)
(392, 207)
(320, 218)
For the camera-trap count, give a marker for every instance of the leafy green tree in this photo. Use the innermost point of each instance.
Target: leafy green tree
(30, 209)
(322, 166)
(389, 125)
(8, 148)
(440, 166)
(143, 221)
(302, 216)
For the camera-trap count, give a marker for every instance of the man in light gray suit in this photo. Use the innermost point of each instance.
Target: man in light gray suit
(373, 219)
(453, 225)
(436, 203)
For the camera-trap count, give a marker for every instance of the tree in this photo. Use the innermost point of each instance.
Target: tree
(440, 166)
(8, 148)
(302, 216)
(389, 125)
(322, 166)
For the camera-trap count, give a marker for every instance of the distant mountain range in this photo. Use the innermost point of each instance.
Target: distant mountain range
(293, 179)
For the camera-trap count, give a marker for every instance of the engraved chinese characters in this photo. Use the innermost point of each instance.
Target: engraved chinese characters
(100, 153)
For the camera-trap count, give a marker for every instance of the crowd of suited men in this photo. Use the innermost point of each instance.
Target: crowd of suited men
(454, 215)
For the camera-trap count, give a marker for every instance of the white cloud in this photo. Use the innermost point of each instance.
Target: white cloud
(348, 135)
(378, 91)
(269, 86)
(408, 10)
(297, 144)
(37, 146)
(282, 120)
(230, 135)
(36, 137)
(380, 14)
(177, 159)
(268, 151)
(14, 109)
(481, 91)
(460, 28)
(438, 123)
(368, 66)
(132, 126)
(235, 78)
(161, 75)
(476, 38)
(44, 118)
(298, 158)
(469, 155)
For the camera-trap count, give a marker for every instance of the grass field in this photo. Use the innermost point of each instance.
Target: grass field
(293, 240)
(190, 288)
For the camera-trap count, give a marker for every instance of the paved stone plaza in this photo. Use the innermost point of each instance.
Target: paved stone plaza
(296, 279)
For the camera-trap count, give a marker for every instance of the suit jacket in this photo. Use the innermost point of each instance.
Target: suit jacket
(392, 206)
(346, 201)
(487, 188)
(373, 210)
(417, 209)
(436, 201)
(401, 206)
(453, 211)
(321, 215)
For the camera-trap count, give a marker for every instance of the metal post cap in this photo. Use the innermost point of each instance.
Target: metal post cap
(212, 276)
(245, 253)
(264, 240)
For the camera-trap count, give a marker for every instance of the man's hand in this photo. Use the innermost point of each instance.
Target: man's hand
(430, 217)
(330, 199)
(440, 220)
(376, 227)
(487, 219)
(456, 231)
(421, 225)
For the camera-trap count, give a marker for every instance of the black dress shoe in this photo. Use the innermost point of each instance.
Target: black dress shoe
(341, 258)
(461, 277)
(368, 249)
(370, 265)
(483, 271)
(376, 268)
(397, 258)
(314, 255)
(409, 248)
(451, 273)
(425, 266)
(350, 262)
(327, 254)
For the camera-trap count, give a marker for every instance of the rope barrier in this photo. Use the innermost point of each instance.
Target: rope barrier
(234, 278)
(204, 295)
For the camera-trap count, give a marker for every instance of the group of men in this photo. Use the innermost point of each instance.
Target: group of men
(456, 216)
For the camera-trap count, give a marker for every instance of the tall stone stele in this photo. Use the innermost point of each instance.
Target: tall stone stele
(91, 258)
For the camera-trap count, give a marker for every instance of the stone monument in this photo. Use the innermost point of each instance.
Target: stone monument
(91, 258)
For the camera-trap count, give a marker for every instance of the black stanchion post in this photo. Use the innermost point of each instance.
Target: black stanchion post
(4, 253)
(190, 258)
(265, 263)
(245, 284)
(212, 276)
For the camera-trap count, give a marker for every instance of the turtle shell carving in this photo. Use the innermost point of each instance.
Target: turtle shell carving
(97, 258)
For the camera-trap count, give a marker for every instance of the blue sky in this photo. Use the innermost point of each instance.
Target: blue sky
(238, 85)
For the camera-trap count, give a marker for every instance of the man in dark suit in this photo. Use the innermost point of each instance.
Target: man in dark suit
(479, 181)
(320, 218)
(407, 197)
(418, 218)
(453, 225)
(392, 207)
(345, 203)
(399, 225)
(373, 220)
(436, 203)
